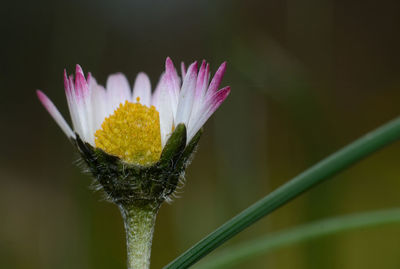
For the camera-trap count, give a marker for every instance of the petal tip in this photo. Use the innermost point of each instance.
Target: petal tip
(222, 67)
(193, 67)
(141, 75)
(203, 65)
(40, 95)
(66, 81)
(183, 69)
(79, 70)
(223, 94)
(169, 65)
(227, 89)
(43, 99)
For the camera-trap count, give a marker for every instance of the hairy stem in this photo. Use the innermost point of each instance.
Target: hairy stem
(139, 226)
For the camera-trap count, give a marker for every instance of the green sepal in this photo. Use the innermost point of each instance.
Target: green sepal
(190, 148)
(184, 160)
(174, 146)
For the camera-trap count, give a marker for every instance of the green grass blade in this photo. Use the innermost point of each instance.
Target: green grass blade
(238, 254)
(326, 168)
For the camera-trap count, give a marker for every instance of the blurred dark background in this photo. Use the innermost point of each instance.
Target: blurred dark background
(307, 78)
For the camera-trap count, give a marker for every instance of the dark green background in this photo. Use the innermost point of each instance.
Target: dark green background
(307, 78)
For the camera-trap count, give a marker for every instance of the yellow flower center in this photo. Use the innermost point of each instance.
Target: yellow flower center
(132, 133)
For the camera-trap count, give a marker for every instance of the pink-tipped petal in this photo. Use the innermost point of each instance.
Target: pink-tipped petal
(72, 102)
(79, 70)
(81, 86)
(200, 78)
(207, 72)
(99, 104)
(201, 88)
(186, 96)
(170, 71)
(53, 111)
(71, 83)
(172, 83)
(208, 109)
(216, 81)
(66, 82)
(84, 105)
(89, 79)
(183, 69)
(169, 65)
(162, 102)
(142, 89)
(202, 82)
(220, 96)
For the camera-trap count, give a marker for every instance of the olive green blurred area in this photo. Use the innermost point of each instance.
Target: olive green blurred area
(307, 78)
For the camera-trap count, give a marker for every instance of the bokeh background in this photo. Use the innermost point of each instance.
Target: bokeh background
(307, 78)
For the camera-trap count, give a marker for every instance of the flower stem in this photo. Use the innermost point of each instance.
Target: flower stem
(139, 226)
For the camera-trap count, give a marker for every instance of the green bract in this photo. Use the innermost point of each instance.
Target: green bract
(129, 184)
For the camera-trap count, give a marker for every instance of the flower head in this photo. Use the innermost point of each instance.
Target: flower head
(139, 129)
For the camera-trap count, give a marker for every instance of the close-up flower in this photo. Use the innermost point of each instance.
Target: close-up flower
(135, 126)
(137, 144)
(131, 160)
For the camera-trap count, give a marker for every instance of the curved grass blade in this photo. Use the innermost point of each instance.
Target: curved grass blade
(324, 169)
(251, 249)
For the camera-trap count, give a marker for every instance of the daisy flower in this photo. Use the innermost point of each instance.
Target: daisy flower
(135, 125)
(137, 144)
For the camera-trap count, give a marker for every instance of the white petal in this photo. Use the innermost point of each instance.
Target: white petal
(183, 69)
(118, 91)
(142, 89)
(73, 111)
(173, 83)
(186, 96)
(164, 109)
(87, 103)
(156, 93)
(51, 108)
(77, 107)
(81, 99)
(162, 101)
(99, 105)
(216, 81)
(201, 88)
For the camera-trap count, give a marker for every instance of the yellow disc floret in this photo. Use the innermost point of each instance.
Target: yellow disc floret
(132, 133)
